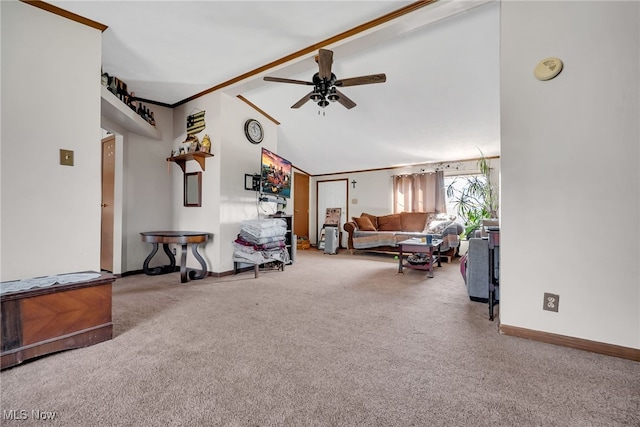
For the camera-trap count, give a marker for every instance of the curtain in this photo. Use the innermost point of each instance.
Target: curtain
(423, 192)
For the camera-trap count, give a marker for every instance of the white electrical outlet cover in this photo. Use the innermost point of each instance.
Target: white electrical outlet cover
(548, 68)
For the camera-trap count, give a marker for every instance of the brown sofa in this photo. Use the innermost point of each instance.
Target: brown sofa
(374, 233)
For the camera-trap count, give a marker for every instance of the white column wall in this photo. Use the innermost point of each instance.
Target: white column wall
(225, 202)
(147, 190)
(570, 161)
(50, 101)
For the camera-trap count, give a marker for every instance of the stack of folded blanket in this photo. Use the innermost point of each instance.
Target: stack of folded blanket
(261, 241)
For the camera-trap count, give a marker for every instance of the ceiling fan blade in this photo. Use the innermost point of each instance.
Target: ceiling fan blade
(282, 80)
(362, 80)
(345, 101)
(325, 60)
(302, 101)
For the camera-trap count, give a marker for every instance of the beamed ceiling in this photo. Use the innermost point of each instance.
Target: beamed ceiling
(440, 101)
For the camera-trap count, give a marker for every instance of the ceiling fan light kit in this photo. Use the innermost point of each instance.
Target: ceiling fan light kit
(325, 83)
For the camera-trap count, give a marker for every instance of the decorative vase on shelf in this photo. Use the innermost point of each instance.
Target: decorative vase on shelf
(205, 145)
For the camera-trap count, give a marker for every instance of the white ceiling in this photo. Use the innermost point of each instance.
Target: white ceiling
(440, 101)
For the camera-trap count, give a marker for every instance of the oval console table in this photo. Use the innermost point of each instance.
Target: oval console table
(183, 238)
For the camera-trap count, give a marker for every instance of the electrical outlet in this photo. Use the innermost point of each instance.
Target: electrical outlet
(551, 302)
(174, 252)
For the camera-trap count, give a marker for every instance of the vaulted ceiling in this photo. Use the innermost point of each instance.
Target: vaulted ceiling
(440, 101)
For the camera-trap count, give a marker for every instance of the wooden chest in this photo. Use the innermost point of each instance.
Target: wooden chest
(41, 321)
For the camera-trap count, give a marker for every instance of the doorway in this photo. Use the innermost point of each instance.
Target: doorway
(108, 201)
(301, 205)
(332, 194)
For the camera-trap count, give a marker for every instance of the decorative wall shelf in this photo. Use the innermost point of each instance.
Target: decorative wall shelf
(118, 112)
(198, 156)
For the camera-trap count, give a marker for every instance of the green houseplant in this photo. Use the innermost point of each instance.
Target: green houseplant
(477, 198)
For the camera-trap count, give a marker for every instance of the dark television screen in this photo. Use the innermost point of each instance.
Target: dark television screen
(275, 175)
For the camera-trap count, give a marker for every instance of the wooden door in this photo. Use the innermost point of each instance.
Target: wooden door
(108, 174)
(301, 204)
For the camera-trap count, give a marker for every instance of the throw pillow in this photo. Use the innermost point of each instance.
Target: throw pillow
(391, 222)
(442, 216)
(364, 224)
(413, 221)
(438, 226)
(373, 218)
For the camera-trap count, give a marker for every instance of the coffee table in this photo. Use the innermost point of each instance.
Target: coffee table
(416, 245)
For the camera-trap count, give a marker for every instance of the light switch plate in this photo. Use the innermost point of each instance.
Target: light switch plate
(66, 157)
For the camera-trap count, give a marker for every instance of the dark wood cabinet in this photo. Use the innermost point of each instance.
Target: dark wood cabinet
(40, 321)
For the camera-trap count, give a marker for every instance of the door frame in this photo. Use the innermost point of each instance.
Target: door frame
(107, 249)
(346, 206)
(118, 185)
(298, 215)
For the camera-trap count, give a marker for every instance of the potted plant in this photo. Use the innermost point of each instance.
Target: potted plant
(476, 199)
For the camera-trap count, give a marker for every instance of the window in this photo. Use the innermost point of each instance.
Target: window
(455, 190)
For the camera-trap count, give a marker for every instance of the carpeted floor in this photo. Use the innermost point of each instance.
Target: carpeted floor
(334, 340)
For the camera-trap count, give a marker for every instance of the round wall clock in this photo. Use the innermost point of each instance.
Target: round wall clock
(253, 131)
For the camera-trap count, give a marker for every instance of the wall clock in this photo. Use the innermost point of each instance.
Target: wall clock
(253, 131)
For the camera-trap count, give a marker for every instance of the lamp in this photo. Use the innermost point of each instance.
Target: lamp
(333, 96)
(315, 97)
(323, 103)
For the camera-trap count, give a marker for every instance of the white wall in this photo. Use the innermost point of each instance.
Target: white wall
(144, 193)
(225, 202)
(50, 100)
(570, 161)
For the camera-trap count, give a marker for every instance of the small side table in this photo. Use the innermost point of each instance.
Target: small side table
(183, 238)
(418, 246)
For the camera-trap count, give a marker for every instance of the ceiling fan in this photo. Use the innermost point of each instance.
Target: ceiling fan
(325, 83)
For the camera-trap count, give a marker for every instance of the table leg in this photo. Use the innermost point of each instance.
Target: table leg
(400, 260)
(431, 261)
(203, 271)
(164, 269)
(145, 266)
(172, 259)
(183, 264)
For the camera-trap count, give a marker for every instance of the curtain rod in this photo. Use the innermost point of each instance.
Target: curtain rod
(416, 173)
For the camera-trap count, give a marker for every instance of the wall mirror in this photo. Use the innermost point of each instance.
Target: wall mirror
(193, 189)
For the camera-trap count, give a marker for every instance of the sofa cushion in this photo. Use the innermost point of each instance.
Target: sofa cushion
(373, 218)
(391, 222)
(413, 221)
(364, 223)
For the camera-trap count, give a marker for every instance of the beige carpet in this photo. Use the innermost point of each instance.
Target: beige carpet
(336, 340)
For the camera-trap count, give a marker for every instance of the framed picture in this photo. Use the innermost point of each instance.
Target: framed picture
(333, 216)
(193, 189)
